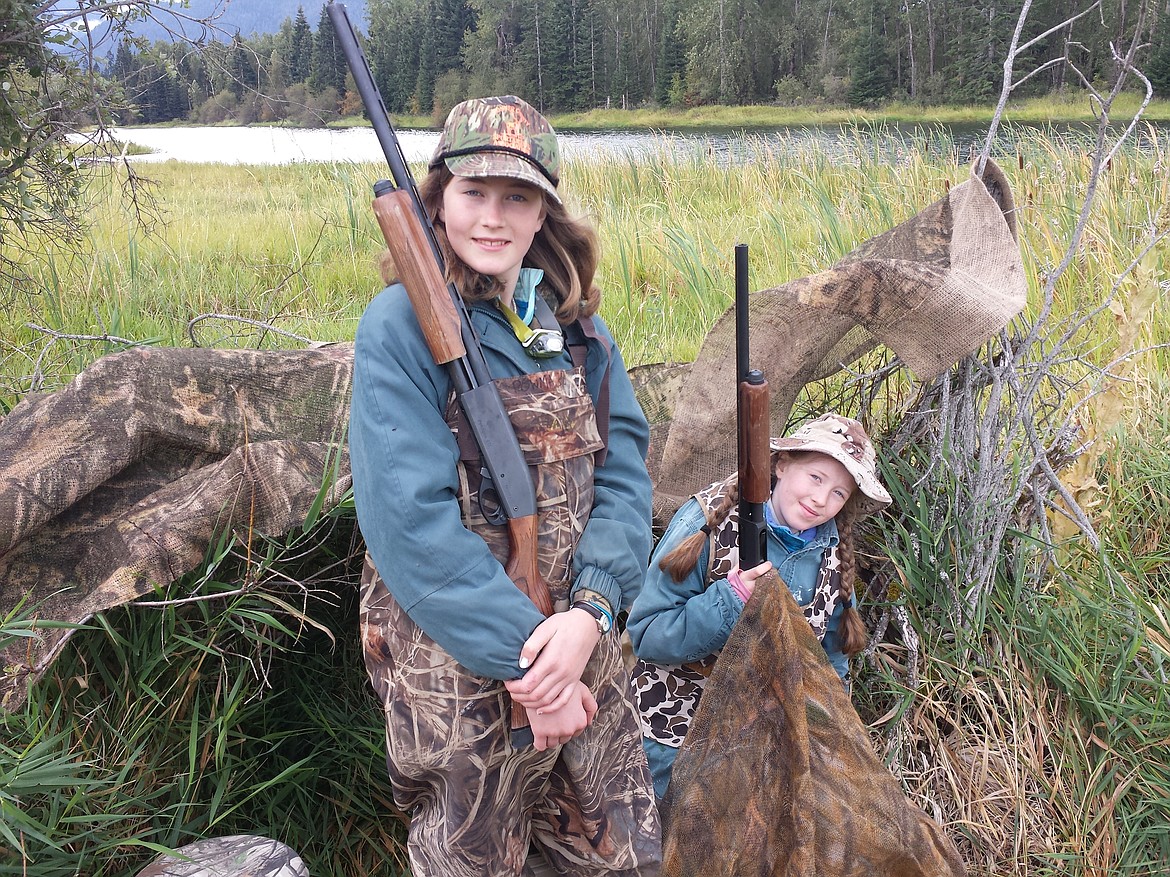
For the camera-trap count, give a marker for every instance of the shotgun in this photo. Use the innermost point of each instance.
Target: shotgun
(506, 491)
(752, 429)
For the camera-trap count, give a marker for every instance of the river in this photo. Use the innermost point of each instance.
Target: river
(268, 145)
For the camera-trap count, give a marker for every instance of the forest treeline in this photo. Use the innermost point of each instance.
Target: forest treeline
(567, 55)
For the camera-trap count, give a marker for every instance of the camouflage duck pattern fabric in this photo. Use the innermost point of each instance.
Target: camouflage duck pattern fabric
(450, 757)
(119, 482)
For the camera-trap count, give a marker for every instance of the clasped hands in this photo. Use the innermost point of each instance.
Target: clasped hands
(560, 706)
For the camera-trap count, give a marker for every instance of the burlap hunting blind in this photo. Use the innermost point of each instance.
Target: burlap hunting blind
(117, 485)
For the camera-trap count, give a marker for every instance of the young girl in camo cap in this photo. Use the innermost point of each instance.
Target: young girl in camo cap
(449, 640)
(824, 478)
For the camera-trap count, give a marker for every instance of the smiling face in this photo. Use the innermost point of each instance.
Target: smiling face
(490, 224)
(810, 489)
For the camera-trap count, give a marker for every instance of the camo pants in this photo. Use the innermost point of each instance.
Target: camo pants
(475, 801)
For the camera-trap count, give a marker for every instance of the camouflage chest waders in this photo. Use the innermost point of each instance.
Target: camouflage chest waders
(472, 798)
(668, 694)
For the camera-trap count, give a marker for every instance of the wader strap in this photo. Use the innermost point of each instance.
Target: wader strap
(577, 337)
(578, 334)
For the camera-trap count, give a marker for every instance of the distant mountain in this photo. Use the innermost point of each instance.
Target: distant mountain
(245, 17)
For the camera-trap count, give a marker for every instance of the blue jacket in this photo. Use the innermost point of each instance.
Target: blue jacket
(403, 458)
(677, 622)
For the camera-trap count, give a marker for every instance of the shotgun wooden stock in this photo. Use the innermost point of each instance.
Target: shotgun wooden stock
(507, 492)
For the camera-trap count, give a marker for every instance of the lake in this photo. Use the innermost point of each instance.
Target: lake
(265, 145)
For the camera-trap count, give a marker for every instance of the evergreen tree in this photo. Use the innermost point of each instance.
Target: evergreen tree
(451, 20)
(1158, 67)
(672, 57)
(125, 71)
(394, 50)
(975, 67)
(873, 78)
(327, 61)
(243, 68)
(300, 49)
(559, 84)
(424, 85)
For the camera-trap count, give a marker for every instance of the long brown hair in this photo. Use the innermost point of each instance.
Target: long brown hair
(565, 248)
(680, 561)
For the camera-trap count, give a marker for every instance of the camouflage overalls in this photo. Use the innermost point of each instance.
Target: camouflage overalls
(472, 798)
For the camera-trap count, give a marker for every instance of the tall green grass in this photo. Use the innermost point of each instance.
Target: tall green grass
(1037, 730)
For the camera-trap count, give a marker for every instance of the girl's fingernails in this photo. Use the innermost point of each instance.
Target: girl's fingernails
(524, 662)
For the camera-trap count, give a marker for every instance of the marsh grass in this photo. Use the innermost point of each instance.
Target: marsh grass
(1054, 108)
(1035, 726)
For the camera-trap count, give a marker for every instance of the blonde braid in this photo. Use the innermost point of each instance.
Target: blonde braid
(681, 560)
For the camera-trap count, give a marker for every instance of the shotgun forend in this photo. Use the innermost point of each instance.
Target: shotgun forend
(753, 429)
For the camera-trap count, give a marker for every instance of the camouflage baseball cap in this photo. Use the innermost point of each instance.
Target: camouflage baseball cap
(500, 137)
(843, 439)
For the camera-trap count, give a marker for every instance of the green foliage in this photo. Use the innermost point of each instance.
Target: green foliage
(872, 80)
(38, 182)
(243, 711)
(327, 63)
(1158, 68)
(671, 60)
(393, 52)
(575, 55)
(300, 50)
(1053, 684)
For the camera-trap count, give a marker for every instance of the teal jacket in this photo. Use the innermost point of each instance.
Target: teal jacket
(677, 622)
(403, 458)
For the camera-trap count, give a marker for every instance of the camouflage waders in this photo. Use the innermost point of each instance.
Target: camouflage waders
(474, 801)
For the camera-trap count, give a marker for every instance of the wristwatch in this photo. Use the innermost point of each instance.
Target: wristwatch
(604, 622)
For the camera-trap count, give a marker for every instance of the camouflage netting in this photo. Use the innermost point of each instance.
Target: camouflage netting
(828, 806)
(119, 483)
(932, 289)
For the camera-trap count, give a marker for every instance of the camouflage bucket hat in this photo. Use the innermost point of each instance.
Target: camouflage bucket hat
(500, 137)
(843, 439)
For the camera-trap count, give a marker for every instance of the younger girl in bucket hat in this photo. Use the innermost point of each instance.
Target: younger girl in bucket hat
(449, 640)
(824, 479)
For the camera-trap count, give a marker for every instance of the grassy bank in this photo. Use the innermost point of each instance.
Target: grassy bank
(1035, 726)
(1034, 111)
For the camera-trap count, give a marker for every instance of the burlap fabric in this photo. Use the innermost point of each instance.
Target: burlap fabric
(777, 777)
(932, 289)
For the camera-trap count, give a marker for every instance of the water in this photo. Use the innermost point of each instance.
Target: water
(219, 145)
